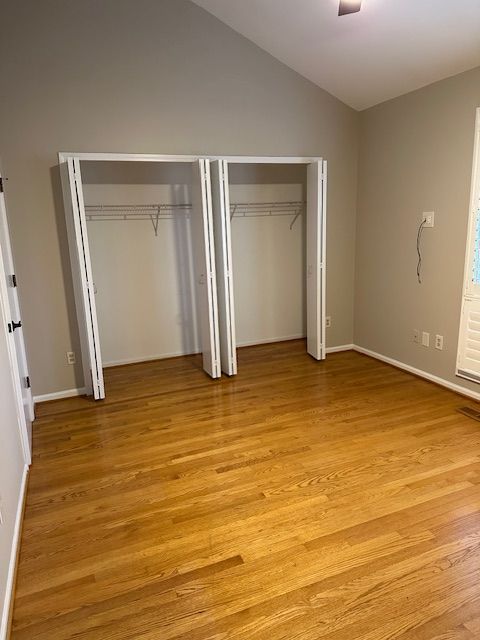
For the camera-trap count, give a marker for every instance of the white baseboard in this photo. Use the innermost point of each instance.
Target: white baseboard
(58, 395)
(340, 347)
(137, 360)
(252, 343)
(13, 558)
(475, 395)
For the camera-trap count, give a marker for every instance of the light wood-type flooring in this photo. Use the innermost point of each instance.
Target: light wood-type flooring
(298, 501)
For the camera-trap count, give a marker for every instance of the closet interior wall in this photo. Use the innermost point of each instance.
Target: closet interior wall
(142, 259)
(269, 252)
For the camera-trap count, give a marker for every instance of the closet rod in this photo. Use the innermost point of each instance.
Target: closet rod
(164, 211)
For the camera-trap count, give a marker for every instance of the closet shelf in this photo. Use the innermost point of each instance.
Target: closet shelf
(152, 212)
(156, 212)
(263, 209)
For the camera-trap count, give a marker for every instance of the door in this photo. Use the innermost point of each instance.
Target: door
(15, 323)
(82, 278)
(204, 261)
(223, 254)
(316, 210)
(19, 412)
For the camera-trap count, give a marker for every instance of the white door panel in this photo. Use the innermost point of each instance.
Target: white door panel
(204, 260)
(82, 279)
(223, 252)
(316, 199)
(9, 286)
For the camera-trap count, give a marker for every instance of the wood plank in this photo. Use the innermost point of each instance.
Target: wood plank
(299, 500)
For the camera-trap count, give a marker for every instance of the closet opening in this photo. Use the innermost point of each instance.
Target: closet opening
(269, 221)
(141, 245)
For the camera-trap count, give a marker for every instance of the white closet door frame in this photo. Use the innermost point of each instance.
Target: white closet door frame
(65, 157)
(223, 252)
(316, 241)
(83, 283)
(204, 249)
(81, 263)
(6, 313)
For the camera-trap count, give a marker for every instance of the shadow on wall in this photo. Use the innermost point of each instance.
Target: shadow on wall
(55, 177)
(186, 278)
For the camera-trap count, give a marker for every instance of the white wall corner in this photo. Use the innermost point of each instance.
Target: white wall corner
(340, 347)
(475, 395)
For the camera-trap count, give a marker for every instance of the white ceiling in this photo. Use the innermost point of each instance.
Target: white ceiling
(389, 48)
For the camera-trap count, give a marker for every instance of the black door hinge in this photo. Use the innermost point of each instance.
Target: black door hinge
(1, 184)
(27, 382)
(13, 279)
(14, 325)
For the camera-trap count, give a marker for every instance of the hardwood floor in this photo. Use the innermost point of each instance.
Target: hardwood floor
(298, 501)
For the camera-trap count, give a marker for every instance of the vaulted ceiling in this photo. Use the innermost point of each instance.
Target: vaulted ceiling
(389, 48)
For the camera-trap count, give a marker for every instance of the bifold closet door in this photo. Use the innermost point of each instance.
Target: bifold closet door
(204, 262)
(82, 278)
(316, 210)
(223, 253)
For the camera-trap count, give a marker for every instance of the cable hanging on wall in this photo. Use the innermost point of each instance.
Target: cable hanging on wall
(156, 212)
(421, 227)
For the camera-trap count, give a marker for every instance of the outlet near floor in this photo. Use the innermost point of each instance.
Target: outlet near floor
(70, 357)
(328, 321)
(439, 342)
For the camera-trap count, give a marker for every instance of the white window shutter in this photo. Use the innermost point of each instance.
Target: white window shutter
(468, 362)
(468, 354)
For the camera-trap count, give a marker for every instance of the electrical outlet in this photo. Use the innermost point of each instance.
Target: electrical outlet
(425, 339)
(328, 322)
(439, 342)
(416, 335)
(428, 217)
(70, 357)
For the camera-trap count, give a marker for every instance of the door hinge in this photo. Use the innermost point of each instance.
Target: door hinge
(14, 325)
(27, 382)
(1, 184)
(13, 280)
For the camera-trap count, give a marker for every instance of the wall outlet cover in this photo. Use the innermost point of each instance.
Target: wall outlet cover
(328, 321)
(429, 218)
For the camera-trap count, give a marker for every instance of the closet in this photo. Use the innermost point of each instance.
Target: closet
(141, 246)
(269, 221)
(173, 255)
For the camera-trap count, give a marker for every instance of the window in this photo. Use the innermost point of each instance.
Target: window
(468, 357)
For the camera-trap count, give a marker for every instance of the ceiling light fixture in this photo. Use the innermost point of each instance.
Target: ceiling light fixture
(349, 6)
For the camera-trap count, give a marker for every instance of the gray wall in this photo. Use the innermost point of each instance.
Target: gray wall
(159, 76)
(415, 155)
